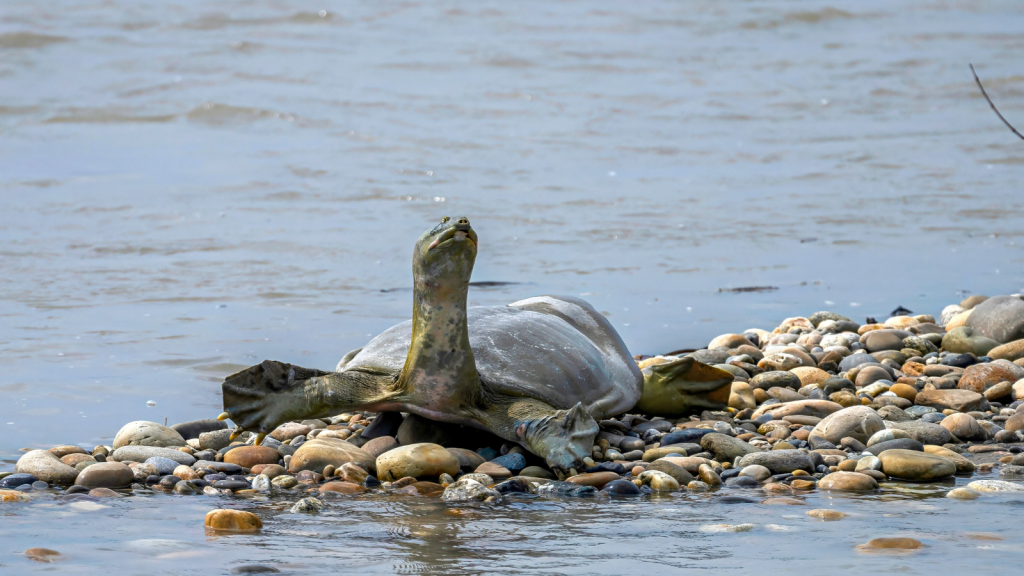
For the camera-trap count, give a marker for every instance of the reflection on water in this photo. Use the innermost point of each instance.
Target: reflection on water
(189, 189)
(414, 535)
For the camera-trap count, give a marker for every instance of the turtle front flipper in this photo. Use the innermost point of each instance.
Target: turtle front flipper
(563, 438)
(679, 386)
(262, 397)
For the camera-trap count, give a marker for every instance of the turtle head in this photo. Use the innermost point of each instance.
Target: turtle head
(444, 255)
(563, 438)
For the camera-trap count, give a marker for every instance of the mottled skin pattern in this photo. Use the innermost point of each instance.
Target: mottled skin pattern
(439, 378)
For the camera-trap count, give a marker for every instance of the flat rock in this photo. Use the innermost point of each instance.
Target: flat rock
(963, 465)
(143, 433)
(316, 454)
(595, 479)
(677, 472)
(779, 461)
(215, 440)
(896, 444)
(858, 422)
(45, 466)
(953, 399)
(817, 408)
(142, 453)
(662, 451)
(916, 466)
(776, 378)
(493, 470)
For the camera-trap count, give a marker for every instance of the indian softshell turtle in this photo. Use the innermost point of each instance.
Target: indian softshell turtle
(538, 372)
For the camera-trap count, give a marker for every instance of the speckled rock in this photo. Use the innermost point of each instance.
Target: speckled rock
(45, 466)
(1000, 318)
(725, 448)
(143, 433)
(469, 490)
(858, 422)
(964, 427)
(980, 377)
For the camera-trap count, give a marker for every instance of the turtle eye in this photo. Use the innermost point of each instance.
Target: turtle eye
(445, 220)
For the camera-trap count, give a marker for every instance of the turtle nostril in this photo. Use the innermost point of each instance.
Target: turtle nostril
(463, 220)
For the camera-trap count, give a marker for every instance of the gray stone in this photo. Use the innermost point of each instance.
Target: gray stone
(215, 440)
(1000, 318)
(725, 448)
(916, 466)
(143, 433)
(858, 422)
(779, 461)
(897, 444)
(164, 466)
(776, 378)
(854, 360)
(143, 453)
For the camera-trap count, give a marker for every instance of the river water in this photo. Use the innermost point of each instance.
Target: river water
(188, 189)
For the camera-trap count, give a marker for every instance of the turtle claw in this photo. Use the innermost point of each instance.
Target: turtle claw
(573, 472)
(259, 438)
(235, 434)
(223, 416)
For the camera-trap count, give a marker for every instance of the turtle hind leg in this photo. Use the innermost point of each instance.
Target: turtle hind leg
(262, 397)
(561, 437)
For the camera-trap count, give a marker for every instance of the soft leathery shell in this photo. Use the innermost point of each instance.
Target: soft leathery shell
(556, 349)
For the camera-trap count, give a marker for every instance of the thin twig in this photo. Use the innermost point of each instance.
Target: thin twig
(985, 94)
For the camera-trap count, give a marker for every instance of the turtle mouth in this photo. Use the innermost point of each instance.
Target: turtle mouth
(457, 233)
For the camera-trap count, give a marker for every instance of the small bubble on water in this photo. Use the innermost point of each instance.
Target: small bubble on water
(854, 304)
(10, 423)
(829, 303)
(611, 173)
(222, 305)
(438, 198)
(824, 101)
(323, 13)
(150, 403)
(430, 172)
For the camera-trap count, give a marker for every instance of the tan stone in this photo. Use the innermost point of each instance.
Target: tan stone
(417, 460)
(980, 377)
(826, 514)
(848, 481)
(249, 456)
(958, 321)
(342, 488)
(809, 375)
(742, 396)
(228, 520)
(904, 391)
(595, 479)
(1011, 351)
(892, 544)
(316, 454)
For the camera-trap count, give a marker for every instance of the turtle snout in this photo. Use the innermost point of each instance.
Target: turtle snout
(462, 224)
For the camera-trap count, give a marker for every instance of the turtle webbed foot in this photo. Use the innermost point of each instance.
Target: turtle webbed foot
(262, 397)
(563, 439)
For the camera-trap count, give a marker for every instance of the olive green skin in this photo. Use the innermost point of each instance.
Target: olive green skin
(537, 372)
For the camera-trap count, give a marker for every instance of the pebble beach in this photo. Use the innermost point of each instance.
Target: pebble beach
(819, 405)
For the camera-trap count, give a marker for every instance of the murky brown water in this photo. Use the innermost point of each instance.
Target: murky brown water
(190, 189)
